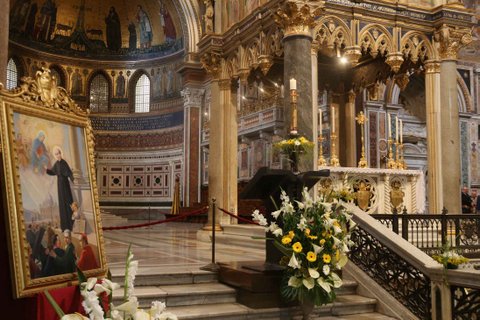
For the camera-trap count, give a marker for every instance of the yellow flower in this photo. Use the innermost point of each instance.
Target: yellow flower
(311, 256)
(337, 255)
(327, 258)
(307, 233)
(297, 247)
(322, 242)
(291, 234)
(286, 240)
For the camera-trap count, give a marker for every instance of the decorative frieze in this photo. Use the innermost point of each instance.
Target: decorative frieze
(192, 97)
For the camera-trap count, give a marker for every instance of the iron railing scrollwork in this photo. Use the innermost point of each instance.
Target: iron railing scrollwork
(465, 303)
(402, 280)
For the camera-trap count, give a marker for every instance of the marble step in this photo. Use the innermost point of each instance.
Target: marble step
(151, 275)
(240, 240)
(352, 305)
(248, 230)
(181, 295)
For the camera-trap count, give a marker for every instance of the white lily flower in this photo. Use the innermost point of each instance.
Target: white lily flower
(337, 242)
(91, 305)
(327, 206)
(307, 199)
(141, 315)
(313, 273)
(275, 229)
(288, 208)
(301, 206)
(110, 284)
(317, 249)
(116, 315)
(294, 282)
(167, 316)
(324, 284)
(91, 283)
(157, 308)
(129, 307)
(284, 197)
(303, 223)
(294, 263)
(351, 224)
(336, 229)
(309, 283)
(337, 281)
(326, 269)
(296, 142)
(276, 214)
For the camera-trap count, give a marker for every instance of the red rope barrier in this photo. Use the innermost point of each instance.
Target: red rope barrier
(202, 210)
(238, 217)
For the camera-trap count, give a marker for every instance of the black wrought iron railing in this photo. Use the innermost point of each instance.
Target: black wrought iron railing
(429, 232)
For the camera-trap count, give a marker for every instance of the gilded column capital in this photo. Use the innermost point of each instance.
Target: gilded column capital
(351, 96)
(353, 54)
(450, 40)
(297, 17)
(395, 61)
(192, 97)
(212, 62)
(265, 63)
(432, 67)
(224, 84)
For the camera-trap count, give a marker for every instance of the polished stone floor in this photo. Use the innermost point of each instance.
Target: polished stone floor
(171, 245)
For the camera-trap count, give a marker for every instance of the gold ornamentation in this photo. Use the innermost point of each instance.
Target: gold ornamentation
(391, 164)
(396, 194)
(43, 90)
(265, 64)
(361, 120)
(451, 40)
(402, 81)
(334, 162)
(416, 47)
(432, 67)
(353, 54)
(212, 62)
(293, 102)
(208, 16)
(363, 195)
(395, 61)
(321, 160)
(297, 17)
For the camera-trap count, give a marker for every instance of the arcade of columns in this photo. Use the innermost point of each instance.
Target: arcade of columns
(299, 31)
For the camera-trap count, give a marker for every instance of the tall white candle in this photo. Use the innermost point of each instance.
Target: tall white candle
(389, 126)
(320, 121)
(396, 129)
(333, 120)
(293, 84)
(401, 132)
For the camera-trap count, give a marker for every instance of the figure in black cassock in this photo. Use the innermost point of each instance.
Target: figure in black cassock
(65, 198)
(114, 34)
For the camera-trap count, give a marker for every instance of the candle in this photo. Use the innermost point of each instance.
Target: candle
(320, 122)
(396, 129)
(401, 132)
(389, 126)
(333, 120)
(293, 84)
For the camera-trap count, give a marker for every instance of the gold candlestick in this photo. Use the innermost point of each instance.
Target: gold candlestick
(398, 163)
(333, 158)
(402, 165)
(321, 160)
(391, 162)
(361, 120)
(293, 102)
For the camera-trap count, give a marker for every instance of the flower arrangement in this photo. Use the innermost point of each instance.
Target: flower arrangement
(93, 291)
(293, 147)
(449, 258)
(314, 238)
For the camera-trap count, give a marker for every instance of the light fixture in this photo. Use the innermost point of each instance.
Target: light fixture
(343, 60)
(243, 97)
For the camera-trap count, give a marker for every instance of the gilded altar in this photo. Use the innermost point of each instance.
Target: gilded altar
(379, 190)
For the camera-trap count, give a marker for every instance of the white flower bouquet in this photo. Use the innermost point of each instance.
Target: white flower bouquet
(314, 237)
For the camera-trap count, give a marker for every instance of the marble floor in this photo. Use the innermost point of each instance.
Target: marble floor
(169, 246)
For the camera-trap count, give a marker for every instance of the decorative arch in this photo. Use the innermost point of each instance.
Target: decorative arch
(332, 32)
(416, 46)
(189, 13)
(20, 65)
(464, 98)
(132, 82)
(91, 77)
(375, 39)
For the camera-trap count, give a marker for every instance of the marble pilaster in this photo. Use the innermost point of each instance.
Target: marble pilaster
(4, 21)
(350, 131)
(192, 102)
(315, 111)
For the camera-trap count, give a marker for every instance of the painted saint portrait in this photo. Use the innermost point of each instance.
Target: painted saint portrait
(58, 210)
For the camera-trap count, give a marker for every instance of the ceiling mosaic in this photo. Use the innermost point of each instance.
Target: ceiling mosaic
(99, 29)
(472, 51)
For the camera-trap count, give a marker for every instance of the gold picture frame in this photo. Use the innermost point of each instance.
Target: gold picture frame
(49, 186)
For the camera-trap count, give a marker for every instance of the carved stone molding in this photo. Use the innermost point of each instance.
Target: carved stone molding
(297, 17)
(395, 60)
(212, 62)
(450, 40)
(353, 54)
(192, 97)
(432, 67)
(225, 84)
(402, 81)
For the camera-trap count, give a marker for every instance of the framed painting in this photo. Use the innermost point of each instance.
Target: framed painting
(53, 219)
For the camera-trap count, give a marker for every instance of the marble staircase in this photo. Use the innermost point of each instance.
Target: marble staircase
(191, 293)
(112, 220)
